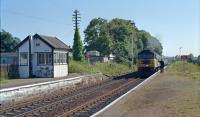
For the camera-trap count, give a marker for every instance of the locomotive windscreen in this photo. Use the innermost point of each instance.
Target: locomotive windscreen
(146, 56)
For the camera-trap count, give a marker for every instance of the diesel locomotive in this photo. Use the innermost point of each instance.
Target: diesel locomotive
(148, 60)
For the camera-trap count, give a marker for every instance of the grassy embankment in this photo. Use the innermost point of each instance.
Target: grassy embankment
(186, 69)
(185, 80)
(2, 81)
(113, 69)
(3, 78)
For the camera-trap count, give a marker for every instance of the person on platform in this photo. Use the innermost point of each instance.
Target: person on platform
(162, 65)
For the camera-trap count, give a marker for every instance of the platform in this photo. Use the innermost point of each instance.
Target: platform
(19, 93)
(167, 95)
(29, 81)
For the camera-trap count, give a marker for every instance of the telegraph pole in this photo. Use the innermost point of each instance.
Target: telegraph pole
(76, 18)
(77, 45)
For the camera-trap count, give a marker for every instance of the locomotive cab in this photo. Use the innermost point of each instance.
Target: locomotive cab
(148, 61)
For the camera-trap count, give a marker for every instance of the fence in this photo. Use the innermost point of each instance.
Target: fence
(9, 71)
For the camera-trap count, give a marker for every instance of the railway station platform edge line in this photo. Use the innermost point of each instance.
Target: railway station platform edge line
(121, 97)
(45, 83)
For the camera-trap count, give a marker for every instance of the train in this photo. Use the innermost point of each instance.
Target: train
(149, 60)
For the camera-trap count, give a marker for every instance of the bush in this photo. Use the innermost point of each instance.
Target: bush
(184, 66)
(107, 69)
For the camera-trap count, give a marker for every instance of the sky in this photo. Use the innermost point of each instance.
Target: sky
(176, 23)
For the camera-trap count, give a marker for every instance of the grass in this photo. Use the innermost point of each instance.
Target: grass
(107, 69)
(2, 78)
(3, 81)
(188, 69)
(183, 66)
(188, 97)
(188, 75)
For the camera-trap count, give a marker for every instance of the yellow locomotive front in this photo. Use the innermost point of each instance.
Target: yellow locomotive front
(148, 61)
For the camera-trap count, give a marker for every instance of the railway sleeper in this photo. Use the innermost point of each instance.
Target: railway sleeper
(93, 104)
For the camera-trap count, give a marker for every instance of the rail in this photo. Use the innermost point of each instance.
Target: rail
(83, 101)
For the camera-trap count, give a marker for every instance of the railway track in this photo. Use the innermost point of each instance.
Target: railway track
(65, 91)
(83, 101)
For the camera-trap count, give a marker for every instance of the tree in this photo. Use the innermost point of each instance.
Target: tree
(77, 47)
(146, 39)
(104, 42)
(157, 46)
(149, 42)
(139, 45)
(8, 42)
(116, 36)
(190, 57)
(97, 36)
(122, 32)
(198, 59)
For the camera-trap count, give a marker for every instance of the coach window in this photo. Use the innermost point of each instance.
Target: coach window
(23, 58)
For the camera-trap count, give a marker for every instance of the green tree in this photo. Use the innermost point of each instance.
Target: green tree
(198, 59)
(104, 42)
(190, 57)
(97, 36)
(122, 32)
(139, 45)
(158, 50)
(149, 42)
(146, 39)
(8, 42)
(157, 46)
(77, 47)
(116, 36)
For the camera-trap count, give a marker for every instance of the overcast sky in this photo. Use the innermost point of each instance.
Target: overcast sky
(175, 22)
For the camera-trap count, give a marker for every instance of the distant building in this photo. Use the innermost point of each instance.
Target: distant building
(94, 56)
(9, 58)
(184, 57)
(9, 64)
(42, 56)
(93, 53)
(111, 57)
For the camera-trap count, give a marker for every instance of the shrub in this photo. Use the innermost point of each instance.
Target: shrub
(107, 69)
(184, 66)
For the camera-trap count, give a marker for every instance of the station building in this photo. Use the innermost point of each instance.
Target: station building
(42, 56)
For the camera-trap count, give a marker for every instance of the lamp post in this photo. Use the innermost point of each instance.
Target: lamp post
(180, 52)
(132, 49)
(132, 55)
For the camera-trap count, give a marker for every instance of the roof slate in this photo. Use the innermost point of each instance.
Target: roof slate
(53, 42)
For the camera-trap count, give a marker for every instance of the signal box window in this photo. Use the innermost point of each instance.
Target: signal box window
(44, 58)
(24, 58)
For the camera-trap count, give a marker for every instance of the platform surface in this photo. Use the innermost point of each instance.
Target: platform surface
(167, 95)
(29, 81)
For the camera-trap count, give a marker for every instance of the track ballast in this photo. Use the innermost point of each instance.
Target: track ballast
(82, 101)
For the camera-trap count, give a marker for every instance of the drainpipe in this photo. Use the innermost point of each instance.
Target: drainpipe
(52, 63)
(30, 57)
